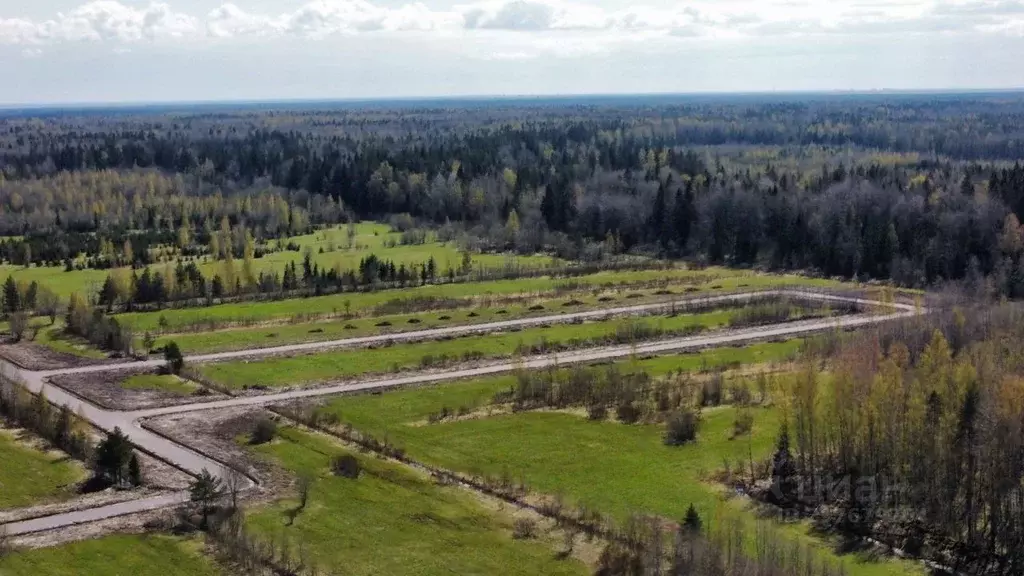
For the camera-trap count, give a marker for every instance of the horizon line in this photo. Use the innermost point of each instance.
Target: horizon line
(73, 105)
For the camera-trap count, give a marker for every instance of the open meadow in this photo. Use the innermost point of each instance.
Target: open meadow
(31, 474)
(427, 529)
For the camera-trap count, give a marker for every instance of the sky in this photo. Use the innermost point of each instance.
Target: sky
(109, 51)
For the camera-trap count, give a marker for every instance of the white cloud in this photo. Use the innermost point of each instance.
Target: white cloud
(115, 22)
(323, 18)
(101, 20)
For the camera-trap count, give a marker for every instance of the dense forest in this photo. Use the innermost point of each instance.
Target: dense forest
(918, 442)
(913, 188)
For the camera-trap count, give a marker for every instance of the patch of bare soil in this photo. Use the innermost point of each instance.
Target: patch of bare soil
(32, 356)
(215, 433)
(104, 389)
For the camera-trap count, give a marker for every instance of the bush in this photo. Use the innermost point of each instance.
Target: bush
(711, 391)
(627, 413)
(172, 354)
(524, 529)
(740, 393)
(263, 431)
(597, 412)
(346, 466)
(743, 423)
(681, 428)
(18, 324)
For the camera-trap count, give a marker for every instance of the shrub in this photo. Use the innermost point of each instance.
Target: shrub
(263, 431)
(743, 423)
(711, 391)
(597, 412)
(346, 466)
(681, 428)
(524, 529)
(172, 354)
(18, 324)
(740, 393)
(627, 413)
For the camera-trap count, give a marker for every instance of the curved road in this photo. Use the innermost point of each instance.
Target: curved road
(194, 462)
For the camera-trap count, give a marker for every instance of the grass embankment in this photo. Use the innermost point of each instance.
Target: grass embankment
(119, 555)
(371, 238)
(392, 521)
(711, 280)
(29, 476)
(614, 468)
(327, 366)
(160, 382)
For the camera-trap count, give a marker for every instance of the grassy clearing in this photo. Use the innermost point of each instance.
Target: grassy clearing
(29, 476)
(371, 238)
(393, 521)
(162, 382)
(712, 280)
(119, 555)
(284, 371)
(54, 338)
(614, 468)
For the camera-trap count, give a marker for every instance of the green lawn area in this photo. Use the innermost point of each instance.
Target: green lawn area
(614, 468)
(163, 382)
(119, 555)
(29, 476)
(326, 366)
(710, 280)
(393, 521)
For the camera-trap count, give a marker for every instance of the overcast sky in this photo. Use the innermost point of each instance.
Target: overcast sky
(139, 51)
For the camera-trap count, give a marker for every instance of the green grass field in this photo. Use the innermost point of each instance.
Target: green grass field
(370, 239)
(119, 555)
(162, 382)
(29, 476)
(393, 521)
(713, 280)
(326, 366)
(614, 468)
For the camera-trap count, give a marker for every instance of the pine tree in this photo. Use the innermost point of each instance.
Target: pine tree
(12, 299)
(112, 457)
(692, 521)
